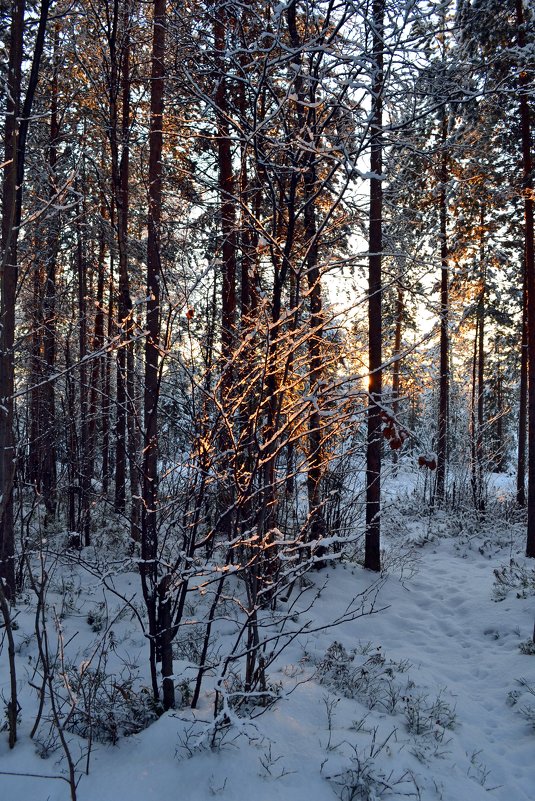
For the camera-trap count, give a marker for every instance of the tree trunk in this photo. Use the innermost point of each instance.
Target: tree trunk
(481, 399)
(501, 452)
(527, 164)
(48, 404)
(477, 412)
(69, 413)
(315, 350)
(444, 378)
(478, 382)
(119, 52)
(522, 405)
(396, 357)
(107, 398)
(227, 197)
(154, 595)
(307, 131)
(228, 222)
(315, 337)
(36, 376)
(15, 132)
(97, 390)
(132, 409)
(8, 288)
(372, 558)
(84, 462)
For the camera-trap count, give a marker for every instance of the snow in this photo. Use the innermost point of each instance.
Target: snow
(420, 699)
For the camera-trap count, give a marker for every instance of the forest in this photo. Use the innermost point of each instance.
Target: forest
(267, 347)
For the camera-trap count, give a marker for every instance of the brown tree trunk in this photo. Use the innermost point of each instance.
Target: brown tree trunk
(127, 416)
(315, 350)
(478, 382)
(69, 413)
(48, 402)
(97, 391)
(155, 593)
(119, 86)
(8, 288)
(522, 405)
(444, 378)
(228, 222)
(227, 195)
(396, 357)
(527, 164)
(315, 340)
(307, 128)
(15, 131)
(477, 414)
(107, 381)
(133, 426)
(248, 234)
(372, 557)
(501, 452)
(36, 376)
(42, 445)
(84, 461)
(481, 399)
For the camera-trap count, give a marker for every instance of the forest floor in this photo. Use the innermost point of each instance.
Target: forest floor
(431, 696)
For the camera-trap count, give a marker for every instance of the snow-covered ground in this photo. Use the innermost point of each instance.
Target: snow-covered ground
(428, 697)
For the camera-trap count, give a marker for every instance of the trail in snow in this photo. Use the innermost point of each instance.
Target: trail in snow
(445, 622)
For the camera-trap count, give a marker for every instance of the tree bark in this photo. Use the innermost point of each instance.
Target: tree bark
(478, 381)
(396, 357)
(372, 557)
(153, 591)
(15, 132)
(48, 408)
(227, 196)
(119, 46)
(307, 131)
(527, 166)
(84, 461)
(444, 378)
(8, 286)
(107, 403)
(522, 404)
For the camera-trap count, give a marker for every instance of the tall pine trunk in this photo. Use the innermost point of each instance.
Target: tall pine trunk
(478, 383)
(307, 130)
(41, 457)
(48, 402)
(522, 405)
(527, 165)
(372, 558)
(119, 166)
(155, 592)
(228, 223)
(8, 288)
(396, 356)
(444, 378)
(85, 461)
(16, 126)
